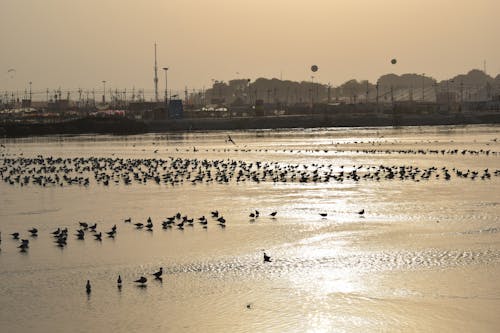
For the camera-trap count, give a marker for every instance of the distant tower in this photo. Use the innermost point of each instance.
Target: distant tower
(156, 78)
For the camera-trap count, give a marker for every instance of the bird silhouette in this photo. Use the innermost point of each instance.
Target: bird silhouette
(158, 274)
(88, 287)
(142, 280)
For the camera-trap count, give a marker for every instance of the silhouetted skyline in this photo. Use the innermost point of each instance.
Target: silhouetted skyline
(56, 43)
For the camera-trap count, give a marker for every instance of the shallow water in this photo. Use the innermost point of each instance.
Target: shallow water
(425, 256)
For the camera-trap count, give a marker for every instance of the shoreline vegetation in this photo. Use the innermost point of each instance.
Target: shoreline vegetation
(126, 126)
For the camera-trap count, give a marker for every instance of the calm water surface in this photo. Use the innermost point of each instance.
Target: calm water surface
(425, 256)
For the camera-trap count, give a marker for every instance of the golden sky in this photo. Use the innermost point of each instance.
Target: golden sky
(79, 43)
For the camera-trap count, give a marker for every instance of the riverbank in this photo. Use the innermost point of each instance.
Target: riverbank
(125, 126)
(111, 125)
(322, 120)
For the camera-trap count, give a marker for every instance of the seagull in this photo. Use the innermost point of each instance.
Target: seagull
(222, 222)
(267, 258)
(80, 234)
(323, 214)
(119, 281)
(128, 220)
(142, 280)
(273, 214)
(158, 274)
(24, 245)
(361, 212)
(33, 232)
(88, 287)
(98, 236)
(15, 235)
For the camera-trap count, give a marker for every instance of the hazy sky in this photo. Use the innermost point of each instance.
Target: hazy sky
(79, 43)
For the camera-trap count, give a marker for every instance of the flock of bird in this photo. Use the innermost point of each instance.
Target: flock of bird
(57, 171)
(178, 220)
(462, 152)
(141, 281)
(50, 171)
(341, 150)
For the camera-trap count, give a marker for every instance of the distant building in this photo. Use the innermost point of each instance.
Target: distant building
(59, 105)
(175, 109)
(446, 97)
(26, 103)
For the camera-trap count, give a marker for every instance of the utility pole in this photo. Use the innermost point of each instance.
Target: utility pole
(423, 87)
(156, 78)
(367, 91)
(30, 92)
(312, 92)
(461, 91)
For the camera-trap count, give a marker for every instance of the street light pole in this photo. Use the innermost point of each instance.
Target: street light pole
(30, 92)
(166, 84)
(103, 92)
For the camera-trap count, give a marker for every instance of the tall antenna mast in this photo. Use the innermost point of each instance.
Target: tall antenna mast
(156, 78)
